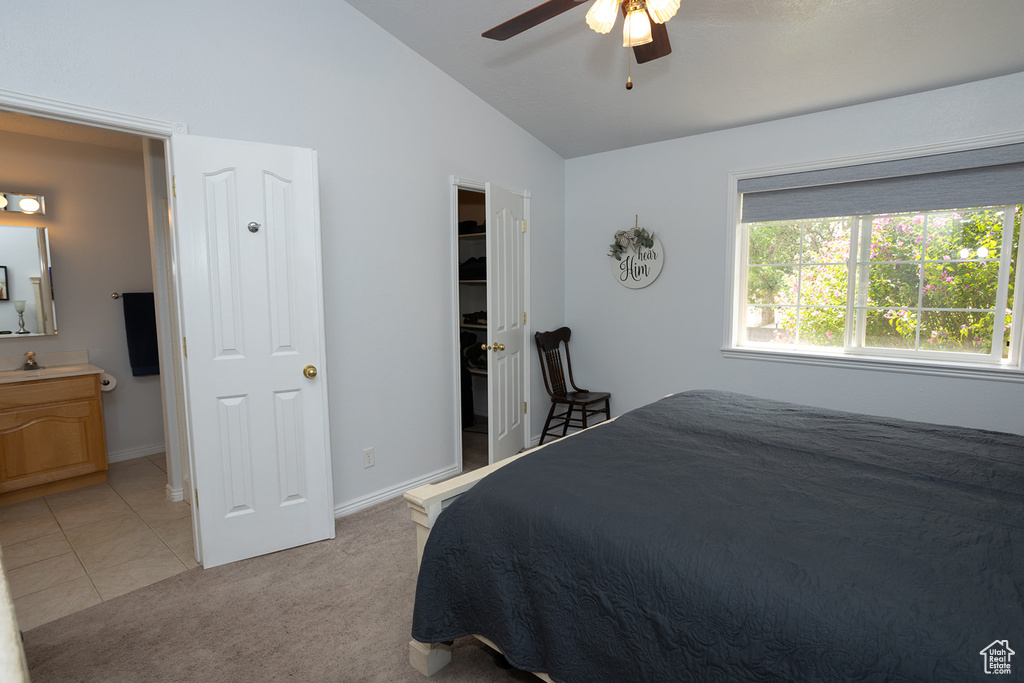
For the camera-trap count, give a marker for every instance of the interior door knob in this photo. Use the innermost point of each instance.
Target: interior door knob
(309, 371)
(499, 347)
(485, 347)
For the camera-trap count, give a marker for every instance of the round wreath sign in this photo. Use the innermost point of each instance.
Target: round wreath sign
(638, 257)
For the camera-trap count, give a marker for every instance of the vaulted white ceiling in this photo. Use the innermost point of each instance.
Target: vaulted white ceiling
(733, 62)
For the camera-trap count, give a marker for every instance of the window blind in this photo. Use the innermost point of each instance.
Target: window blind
(989, 176)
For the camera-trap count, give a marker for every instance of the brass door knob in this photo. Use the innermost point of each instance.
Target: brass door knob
(499, 347)
(485, 347)
(309, 371)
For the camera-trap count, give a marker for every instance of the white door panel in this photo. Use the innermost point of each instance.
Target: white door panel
(505, 327)
(252, 310)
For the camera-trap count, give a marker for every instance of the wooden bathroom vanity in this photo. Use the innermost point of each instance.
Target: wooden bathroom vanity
(51, 431)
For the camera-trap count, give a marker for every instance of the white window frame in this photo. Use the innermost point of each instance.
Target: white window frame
(951, 365)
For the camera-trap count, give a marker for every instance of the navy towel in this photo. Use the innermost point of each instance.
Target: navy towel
(140, 328)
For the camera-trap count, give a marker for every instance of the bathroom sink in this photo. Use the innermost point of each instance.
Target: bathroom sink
(48, 372)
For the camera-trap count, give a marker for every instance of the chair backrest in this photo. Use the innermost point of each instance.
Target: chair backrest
(549, 349)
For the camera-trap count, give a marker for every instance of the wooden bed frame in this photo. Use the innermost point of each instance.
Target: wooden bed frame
(426, 503)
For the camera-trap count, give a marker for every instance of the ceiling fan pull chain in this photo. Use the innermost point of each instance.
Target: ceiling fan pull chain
(629, 72)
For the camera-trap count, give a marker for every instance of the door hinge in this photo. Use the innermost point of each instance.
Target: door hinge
(174, 186)
(524, 317)
(524, 407)
(524, 225)
(184, 347)
(195, 498)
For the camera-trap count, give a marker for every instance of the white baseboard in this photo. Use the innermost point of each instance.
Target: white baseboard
(354, 506)
(132, 453)
(387, 494)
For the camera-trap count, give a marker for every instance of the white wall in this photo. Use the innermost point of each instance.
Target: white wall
(390, 130)
(99, 243)
(642, 344)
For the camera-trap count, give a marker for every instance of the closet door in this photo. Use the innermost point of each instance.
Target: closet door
(505, 322)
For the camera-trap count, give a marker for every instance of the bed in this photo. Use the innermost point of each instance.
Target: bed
(715, 536)
(13, 665)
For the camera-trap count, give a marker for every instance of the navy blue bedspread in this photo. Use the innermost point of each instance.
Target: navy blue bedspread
(713, 536)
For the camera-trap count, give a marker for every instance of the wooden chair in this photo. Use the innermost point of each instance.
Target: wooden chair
(549, 348)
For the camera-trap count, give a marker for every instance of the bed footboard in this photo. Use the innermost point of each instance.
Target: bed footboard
(426, 503)
(429, 658)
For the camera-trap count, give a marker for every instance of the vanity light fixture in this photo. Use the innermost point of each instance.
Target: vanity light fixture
(22, 203)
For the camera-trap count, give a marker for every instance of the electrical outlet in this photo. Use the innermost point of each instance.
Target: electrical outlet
(368, 457)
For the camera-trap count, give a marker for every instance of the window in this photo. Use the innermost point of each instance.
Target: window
(914, 259)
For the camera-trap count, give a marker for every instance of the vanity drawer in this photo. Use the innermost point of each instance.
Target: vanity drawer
(39, 446)
(43, 391)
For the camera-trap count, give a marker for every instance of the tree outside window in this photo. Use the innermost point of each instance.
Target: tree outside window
(939, 282)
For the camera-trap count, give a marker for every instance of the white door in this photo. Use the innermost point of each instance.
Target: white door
(505, 312)
(248, 244)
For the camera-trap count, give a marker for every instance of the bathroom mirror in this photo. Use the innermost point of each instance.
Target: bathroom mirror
(26, 283)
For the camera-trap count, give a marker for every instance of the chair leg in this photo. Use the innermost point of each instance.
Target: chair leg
(568, 416)
(547, 423)
(607, 409)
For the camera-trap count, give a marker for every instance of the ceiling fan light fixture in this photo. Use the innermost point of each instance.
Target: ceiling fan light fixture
(601, 16)
(662, 10)
(636, 30)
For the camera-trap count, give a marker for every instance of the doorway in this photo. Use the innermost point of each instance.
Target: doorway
(101, 249)
(275, 188)
(471, 235)
(280, 414)
(491, 294)
(116, 536)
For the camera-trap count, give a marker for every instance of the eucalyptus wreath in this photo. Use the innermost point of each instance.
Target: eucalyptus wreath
(634, 238)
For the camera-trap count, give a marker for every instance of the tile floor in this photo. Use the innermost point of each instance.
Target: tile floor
(74, 549)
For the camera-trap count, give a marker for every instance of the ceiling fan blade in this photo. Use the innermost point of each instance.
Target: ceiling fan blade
(531, 18)
(659, 47)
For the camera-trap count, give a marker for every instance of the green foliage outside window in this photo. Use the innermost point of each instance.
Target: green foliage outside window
(929, 280)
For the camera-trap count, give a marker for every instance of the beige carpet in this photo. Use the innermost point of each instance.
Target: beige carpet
(332, 611)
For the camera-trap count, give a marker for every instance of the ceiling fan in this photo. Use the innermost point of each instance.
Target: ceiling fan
(648, 40)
